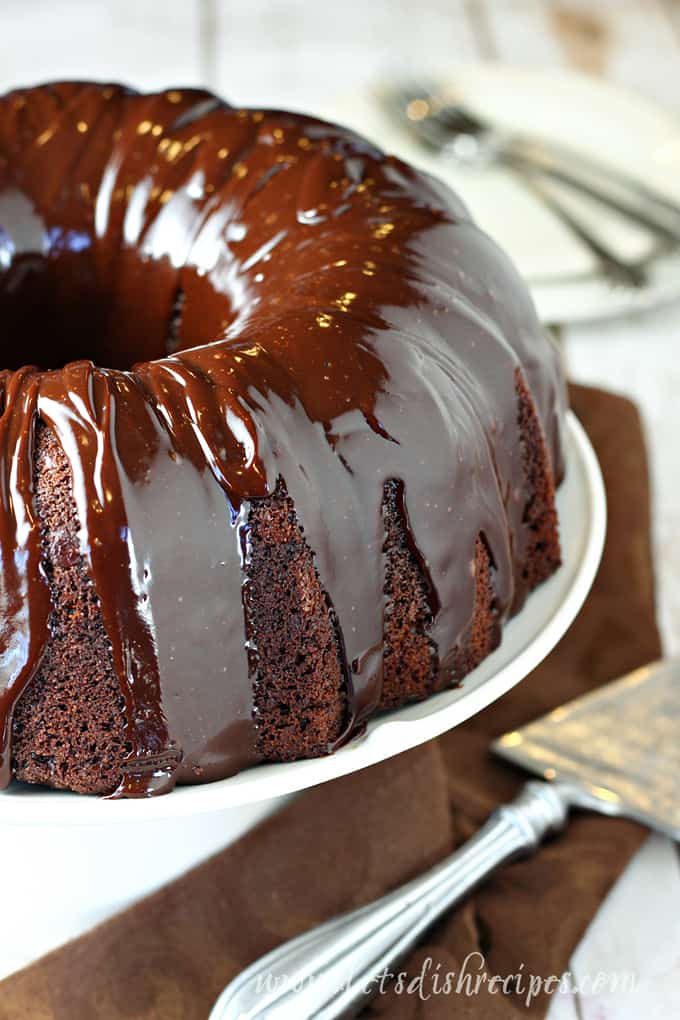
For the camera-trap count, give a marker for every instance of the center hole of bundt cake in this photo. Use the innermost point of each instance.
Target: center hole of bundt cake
(52, 313)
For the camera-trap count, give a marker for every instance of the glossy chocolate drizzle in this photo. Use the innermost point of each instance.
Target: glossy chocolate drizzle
(273, 299)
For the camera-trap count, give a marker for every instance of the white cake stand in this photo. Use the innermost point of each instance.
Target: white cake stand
(71, 861)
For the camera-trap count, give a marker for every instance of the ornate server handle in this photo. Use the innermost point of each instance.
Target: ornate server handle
(331, 971)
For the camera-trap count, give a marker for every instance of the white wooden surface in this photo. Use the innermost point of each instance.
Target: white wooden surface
(302, 53)
(114, 39)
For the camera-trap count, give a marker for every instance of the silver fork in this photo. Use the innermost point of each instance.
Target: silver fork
(331, 971)
(450, 129)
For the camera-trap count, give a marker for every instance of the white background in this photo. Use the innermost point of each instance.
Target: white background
(302, 54)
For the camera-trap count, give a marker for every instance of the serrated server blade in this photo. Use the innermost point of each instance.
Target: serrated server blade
(618, 748)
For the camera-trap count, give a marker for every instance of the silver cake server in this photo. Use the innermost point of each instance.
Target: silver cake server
(615, 751)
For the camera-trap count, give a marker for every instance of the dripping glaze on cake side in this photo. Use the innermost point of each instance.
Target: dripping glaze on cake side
(278, 445)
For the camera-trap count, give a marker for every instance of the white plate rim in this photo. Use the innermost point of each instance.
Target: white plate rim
(389, 734)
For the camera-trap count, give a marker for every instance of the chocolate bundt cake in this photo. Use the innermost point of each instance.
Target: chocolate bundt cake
(279, 438)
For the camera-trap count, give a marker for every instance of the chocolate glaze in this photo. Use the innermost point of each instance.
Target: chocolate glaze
(298, 307)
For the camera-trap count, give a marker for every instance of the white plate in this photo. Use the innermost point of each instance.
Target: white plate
(527, 639)
(602, 120)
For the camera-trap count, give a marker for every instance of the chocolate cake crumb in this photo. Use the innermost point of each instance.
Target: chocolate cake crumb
(543, 555)
(69, 724)
(299, 688)
(410, 657)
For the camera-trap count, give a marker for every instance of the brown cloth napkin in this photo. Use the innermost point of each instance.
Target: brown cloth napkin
(339, 845)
